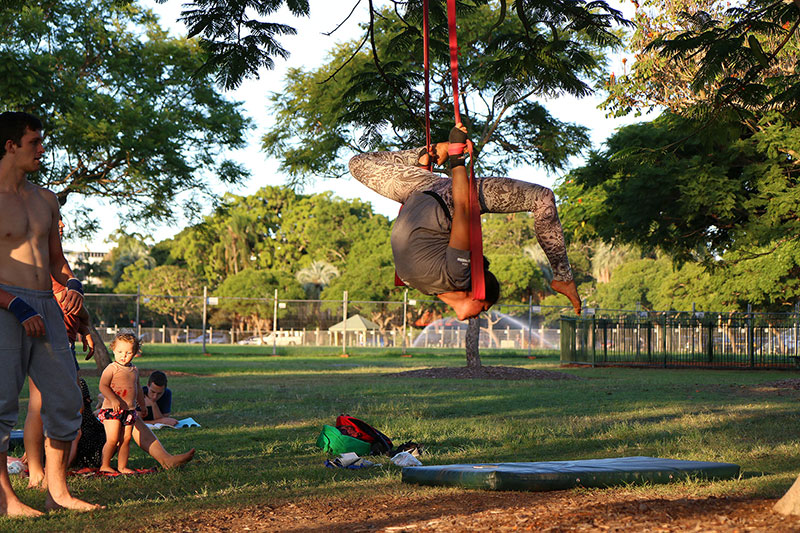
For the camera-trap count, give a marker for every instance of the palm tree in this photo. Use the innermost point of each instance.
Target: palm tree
(606, 258)
(316, 277)
(535, 252)
(237, 239)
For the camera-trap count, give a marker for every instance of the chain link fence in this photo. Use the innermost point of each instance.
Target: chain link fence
(423, 323)
(599, 337)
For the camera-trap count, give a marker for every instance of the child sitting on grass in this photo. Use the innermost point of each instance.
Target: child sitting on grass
(122, 396)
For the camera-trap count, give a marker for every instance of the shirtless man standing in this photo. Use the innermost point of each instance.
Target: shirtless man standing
(31, 324)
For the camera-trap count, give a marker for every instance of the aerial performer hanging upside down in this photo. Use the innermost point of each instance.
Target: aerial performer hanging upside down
(430, 237)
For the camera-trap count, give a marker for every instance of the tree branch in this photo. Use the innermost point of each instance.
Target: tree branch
(502, 19)
(523, 18)
(328, 34)
(380, 68)
(346, 62)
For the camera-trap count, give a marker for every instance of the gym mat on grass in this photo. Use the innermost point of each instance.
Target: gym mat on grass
(560, 475)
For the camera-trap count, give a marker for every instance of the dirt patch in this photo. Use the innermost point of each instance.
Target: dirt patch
(483, 372)
(462, 511)
(793, 383)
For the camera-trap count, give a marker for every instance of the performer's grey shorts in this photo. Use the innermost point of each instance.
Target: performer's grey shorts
(47, 360)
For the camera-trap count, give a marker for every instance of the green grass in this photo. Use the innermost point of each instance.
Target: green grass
(261, 416)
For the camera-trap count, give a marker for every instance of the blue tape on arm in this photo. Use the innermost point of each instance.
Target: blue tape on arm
(21, 309)
(74, 284)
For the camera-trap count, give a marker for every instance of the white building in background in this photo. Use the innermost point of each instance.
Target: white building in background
(78, 259)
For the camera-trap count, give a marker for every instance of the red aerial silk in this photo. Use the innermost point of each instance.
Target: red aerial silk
(475, 235)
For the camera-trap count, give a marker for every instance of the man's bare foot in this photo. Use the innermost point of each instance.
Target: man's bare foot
(568, 289)
(126, 471)
(15, 508)
(177, 460)
(108, 470)
(68, 501)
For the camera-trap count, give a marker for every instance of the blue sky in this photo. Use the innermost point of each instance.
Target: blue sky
(308, 49)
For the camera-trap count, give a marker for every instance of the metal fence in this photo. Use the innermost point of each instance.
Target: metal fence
(710, 340)
(274, 321)
(601, 337)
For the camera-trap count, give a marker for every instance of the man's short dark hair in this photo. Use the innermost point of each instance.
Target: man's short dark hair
(13, 125)
(492, 287)
(157, 377)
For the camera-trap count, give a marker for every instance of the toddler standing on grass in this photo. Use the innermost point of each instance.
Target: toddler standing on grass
(122, 396)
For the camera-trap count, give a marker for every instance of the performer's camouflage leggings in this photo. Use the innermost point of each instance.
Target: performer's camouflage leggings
(396, 175)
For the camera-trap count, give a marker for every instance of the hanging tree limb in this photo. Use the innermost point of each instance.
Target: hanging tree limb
(349, 59)
(383, 74)
(328, 34)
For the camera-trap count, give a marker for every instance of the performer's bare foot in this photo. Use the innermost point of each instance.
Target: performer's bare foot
(15, 508)
(126, 471)
(68, 501)
(568, 289)
(107, 470)
(177, 460)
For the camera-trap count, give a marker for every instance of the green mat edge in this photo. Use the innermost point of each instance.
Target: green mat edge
(542, 482)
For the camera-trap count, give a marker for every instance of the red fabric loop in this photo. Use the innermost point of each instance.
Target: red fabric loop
(451, 27)
(475, 236)
(456, 148)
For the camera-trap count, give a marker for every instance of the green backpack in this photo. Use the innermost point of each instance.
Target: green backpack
(332, 441)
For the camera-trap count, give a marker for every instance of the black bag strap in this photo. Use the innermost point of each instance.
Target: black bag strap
(441, 203)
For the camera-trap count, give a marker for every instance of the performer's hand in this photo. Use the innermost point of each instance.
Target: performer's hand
(441, 152)
(438, 153)
(458, 145)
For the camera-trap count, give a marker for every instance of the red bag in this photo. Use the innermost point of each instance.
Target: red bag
(353, 427)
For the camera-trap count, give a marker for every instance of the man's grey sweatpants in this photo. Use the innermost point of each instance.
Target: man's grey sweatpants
(47, 360)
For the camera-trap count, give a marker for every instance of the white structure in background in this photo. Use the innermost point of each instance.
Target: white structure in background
(77, 259)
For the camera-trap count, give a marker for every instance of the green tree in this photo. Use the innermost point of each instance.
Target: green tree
(519, 277)
(692, 286)
(284, 231)
(236, 43)
(367, 274)
(697, 57)
(168, 291)
(507, 233)
(714, 178)
(632, 284)
(535, 253)
(130, 248)
(124, 117)
(245, 314)
(606, 257)
(218, 247)
(364, 100)
(723, 198)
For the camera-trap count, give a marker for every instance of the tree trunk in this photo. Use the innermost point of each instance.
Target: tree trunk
(790, 503)
(471, 342)
(101, 358)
